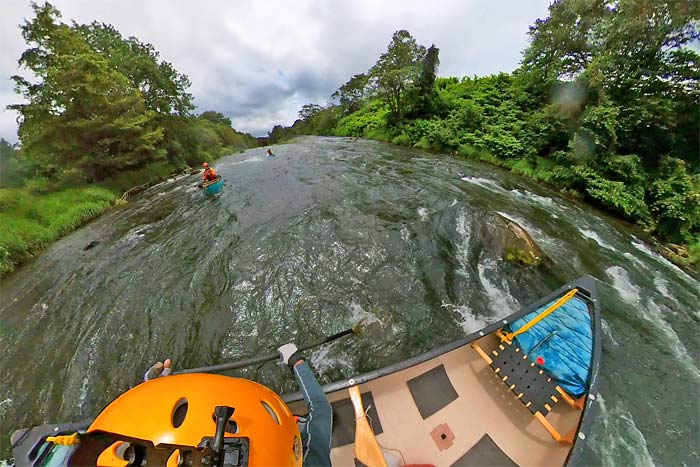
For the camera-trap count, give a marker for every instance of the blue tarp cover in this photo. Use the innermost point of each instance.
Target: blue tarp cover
(564, 339)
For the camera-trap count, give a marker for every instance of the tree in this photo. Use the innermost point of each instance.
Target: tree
(630, 54)
(82, 112)
(396, 71)
(12, 171)
(675, 201)
(216, 117)
(162, 87)
(425, 94)
(351, 94)
(309, 111)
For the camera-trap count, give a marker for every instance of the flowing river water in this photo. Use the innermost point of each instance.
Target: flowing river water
(304, 244)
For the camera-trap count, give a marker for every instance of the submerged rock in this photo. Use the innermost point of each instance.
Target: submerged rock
(508, 239)
(520, 247)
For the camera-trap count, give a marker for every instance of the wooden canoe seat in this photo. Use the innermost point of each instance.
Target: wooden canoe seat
(531, 384)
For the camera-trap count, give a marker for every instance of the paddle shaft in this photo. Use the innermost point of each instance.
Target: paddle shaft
(261, 359)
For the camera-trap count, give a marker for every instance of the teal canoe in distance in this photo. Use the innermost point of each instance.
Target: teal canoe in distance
(213, 187)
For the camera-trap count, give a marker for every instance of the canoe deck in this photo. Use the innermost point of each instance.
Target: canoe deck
(455, 434)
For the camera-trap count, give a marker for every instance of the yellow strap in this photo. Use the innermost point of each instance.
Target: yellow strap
(64, 440)
(508, 336)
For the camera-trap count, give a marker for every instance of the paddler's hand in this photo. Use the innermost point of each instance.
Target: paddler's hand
(290, 355)
(159, 369)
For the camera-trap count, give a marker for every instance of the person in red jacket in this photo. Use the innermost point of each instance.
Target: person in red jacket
(209, 173)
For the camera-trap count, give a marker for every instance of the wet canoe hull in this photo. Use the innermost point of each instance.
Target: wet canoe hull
(213, 187)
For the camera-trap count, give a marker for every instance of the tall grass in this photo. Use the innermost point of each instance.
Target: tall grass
(31, 221)
(33, 217)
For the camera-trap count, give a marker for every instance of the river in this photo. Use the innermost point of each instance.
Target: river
(304, 244)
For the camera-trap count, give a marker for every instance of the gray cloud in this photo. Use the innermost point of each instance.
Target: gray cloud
(259, 62)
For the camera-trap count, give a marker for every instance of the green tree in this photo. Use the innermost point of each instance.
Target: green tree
(81, 113)
(216, 117)
(163, 88)
(631, 54)
(12, 170)
(675, 201)
(309, 111)
(424, 100)
(396, 71)
(351, 94)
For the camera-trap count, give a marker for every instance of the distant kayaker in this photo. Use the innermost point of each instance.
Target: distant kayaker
(269, 153)
(209, 173)
(315, 429)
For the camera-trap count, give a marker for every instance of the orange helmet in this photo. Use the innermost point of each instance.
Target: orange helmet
(206, 164)
(178, 411)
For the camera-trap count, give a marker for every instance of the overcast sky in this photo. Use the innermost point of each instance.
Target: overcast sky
(258, 62)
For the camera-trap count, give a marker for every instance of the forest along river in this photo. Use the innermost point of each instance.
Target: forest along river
(304, 244)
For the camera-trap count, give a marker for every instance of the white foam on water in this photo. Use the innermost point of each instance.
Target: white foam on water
(638, 262)
(454, 202)
(359, 314)
(608, 333)
(339, 250)
(484, 182)
(510, 217)
(594, 236)
(470, 322)
(662, 286)
(5, 403)
(405, 235)
(639, 245)
(137, 233)
(322, 360)
(90, 350)
(423, 214)
(528, 195)
(252, 159)
(655, 316)
(621, 437)
(464, 230)
(499, 296)
(652, 314)
(622, 283)
(244, 286)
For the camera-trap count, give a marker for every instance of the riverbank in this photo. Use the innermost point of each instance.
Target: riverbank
(38, 214)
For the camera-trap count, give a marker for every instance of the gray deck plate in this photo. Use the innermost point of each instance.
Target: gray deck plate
(485, 453)
(432, 391)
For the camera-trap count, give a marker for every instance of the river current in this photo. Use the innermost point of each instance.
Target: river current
(304, 244)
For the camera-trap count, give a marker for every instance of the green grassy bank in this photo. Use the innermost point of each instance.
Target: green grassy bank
(39, 213)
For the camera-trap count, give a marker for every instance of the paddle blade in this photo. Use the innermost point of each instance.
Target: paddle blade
(367, 448)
